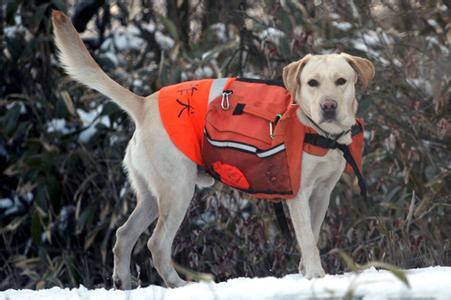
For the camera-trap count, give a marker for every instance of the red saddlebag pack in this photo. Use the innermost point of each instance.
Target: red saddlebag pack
(252, 139)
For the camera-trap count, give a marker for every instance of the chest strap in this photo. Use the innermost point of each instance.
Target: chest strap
(327, 143)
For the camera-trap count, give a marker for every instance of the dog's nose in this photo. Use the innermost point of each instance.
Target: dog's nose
(329, 106)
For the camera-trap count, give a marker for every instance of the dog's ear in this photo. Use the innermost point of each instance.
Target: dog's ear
(363, 67)
(291, 75)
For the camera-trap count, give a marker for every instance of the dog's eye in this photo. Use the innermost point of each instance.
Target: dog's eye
(313, 82)
(340, 81)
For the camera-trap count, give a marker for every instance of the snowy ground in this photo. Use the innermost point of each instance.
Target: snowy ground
(427, 283)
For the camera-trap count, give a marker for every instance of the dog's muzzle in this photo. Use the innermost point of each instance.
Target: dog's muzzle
(329, 109)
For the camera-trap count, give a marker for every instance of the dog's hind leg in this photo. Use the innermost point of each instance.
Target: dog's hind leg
(173, 203)
(145, 212)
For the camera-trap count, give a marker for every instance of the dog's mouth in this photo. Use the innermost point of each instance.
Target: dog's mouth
(333, 122)
(329, 117)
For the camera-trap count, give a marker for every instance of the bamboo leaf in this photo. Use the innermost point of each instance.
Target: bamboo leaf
(11, 119)
(39, 14)
(68, 102)
(11, 9)
(193, 275)
(349, 262)
(397, 272)
(36, 227)
(169, 25)
(60, 4)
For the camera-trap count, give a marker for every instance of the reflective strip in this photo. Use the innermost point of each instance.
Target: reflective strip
(216, 88)
(271, 151)
(230, 144)
(235, 145)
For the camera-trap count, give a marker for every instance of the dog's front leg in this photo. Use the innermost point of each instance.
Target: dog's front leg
(299, 208)
(319, 202)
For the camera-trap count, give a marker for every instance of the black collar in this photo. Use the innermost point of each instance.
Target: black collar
(328, 135)
(328, 143)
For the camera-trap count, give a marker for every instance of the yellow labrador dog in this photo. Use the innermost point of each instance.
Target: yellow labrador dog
(164, 179)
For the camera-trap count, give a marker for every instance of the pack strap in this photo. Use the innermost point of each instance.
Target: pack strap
(256, 111)
(327, 143)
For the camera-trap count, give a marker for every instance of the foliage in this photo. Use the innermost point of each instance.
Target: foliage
(63, 192)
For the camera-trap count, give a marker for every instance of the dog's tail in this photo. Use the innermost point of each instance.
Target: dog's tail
(80, 65)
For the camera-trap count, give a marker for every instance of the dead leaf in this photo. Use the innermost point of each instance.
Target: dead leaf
(69, 103)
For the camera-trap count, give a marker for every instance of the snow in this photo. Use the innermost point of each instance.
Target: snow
(344, 26)
(334, 16)
(112, 57)
(272, 34)
(10, 105)
(432, 282)
(203, 72)
(6, 203)
(138, 83)
(370, 39)
(58, 125)
(165, 42)
(9, 206)
(422, 84)
(90, 120)
(205, 218)
(15, 30)
(220, 30)
(249, 74)
(3, 151)
(150, 27)
(124, 38)
(433, 41)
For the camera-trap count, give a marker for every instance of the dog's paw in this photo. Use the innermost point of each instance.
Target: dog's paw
(311, 268)
(177, 283)
(314, 272)
(117, 283)
(120, 284)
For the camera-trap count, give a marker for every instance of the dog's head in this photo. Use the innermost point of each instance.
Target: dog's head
(324, 86)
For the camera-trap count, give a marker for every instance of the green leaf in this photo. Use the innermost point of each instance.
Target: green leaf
(391, 195)
(28, 50)
(109, 109)
(41, 197)
(10, 119)
(71, 267)
(86, 216)
(15, 47)
(349, 262)
(60, 4)
(61, 109)
(284, 47)
(11, 10)
(39, 14)
(397, 272)
(36, 227)
(169, 25)
(193, 275)
(228, 61)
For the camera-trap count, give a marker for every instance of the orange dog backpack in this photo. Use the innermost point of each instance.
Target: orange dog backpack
(249, 137)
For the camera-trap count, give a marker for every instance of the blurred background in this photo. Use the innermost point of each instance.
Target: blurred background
(63, 192)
